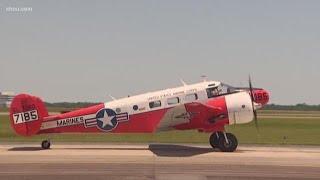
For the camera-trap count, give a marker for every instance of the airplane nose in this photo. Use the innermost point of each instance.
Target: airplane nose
(261, 96)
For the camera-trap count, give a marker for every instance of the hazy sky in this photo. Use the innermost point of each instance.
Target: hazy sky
(85, 50)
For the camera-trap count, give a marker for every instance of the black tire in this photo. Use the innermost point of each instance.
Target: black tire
(214, 139)
(45, 144)
(228, 147)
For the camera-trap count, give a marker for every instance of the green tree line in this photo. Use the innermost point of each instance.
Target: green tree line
(70, 104)
(297, 107)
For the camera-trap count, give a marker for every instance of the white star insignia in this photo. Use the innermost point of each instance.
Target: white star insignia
(106, 120)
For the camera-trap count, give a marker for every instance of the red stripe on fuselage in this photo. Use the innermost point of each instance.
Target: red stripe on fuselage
(146, 122)
(138, 123)
(76, 113)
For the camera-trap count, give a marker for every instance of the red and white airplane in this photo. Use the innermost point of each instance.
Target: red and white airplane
(206, 106)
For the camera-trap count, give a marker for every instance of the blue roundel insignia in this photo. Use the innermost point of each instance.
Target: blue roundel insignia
(106, 119)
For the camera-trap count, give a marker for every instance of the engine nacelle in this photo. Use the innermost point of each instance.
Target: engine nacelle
(239, 108)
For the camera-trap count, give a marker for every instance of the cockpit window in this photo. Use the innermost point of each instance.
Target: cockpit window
(227, 89)
(220, 90)
(212, 92)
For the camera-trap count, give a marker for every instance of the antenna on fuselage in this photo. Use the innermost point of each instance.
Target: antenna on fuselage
(182, 81)
(113, 98)
(204, 78)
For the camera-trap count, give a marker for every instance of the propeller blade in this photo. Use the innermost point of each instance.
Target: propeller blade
(253, 106)
(255, 119)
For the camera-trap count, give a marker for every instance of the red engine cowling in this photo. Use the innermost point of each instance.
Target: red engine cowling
(261, 96)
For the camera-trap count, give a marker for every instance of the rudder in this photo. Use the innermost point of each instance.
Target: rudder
(26, 114)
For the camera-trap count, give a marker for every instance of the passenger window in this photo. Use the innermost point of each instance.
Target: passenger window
(172, 101)
(135, 107)
(154, 104)
(191, 97)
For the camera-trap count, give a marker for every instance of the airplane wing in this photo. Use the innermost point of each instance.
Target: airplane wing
(187, 114)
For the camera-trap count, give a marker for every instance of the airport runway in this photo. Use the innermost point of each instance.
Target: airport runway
(156, 161)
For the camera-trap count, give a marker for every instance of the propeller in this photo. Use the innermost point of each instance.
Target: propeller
(253, 106)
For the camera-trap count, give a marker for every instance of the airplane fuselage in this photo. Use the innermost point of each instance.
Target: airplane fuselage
(159, 111)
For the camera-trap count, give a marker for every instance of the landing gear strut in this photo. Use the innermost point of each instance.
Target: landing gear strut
(45, 144)
(214, 139)
(226, 142)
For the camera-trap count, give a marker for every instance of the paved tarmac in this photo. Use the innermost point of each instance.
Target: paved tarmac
(156, 161)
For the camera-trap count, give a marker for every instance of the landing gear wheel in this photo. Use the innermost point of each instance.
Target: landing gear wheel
(228, 145)
(214, 139)
(45, 144)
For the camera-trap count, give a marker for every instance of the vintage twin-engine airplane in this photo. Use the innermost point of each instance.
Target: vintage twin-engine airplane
(207, 106)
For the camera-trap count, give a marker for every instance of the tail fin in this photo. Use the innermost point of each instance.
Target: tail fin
(26, 114)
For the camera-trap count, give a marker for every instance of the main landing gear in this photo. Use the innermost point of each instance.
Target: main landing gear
(45, 144)
(226, 142)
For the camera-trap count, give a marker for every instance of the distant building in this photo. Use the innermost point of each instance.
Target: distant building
(6, 98)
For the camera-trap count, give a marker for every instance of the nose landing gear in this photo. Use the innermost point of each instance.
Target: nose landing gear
(226, 142)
